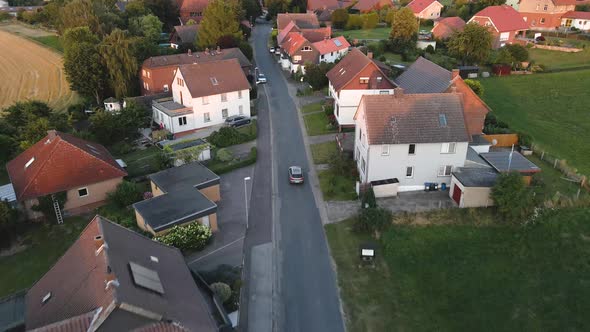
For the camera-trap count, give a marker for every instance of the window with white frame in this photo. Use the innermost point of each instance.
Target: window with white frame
(179, 81)
(82, 192)
(297, 58)
(384, 92)
(224, 97)
(445, 170)
(545, 9)
(143, 72)
(206, 117)
(205, 100)
(364, 80)
(385, 150)
(412, 149)
(448, 147)
(224, 113)
(182, 121)
(240, 94)
(409, 171)
(504, 36)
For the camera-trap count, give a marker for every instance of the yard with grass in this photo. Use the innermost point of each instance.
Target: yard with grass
(141, 162)
(336, 187)
(323, 152)
(468, 274)
(553, 108)
(554, 181)
(318, 124)
(562, 60)
(43, 245)
(310, 108)
(52, 42)
(376, 34)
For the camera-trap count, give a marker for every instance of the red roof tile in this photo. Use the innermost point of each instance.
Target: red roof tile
(291, 27)
(60, 162)
(322, 4)
(213, 78)
(303, 21)
(293, 41)
(474, 109)
(331, 45)
(578, 15)
(74, 324)
(315, 35)
(351, 66)
(445, 27)
(504, 18)
(193, 5)
(417, 6)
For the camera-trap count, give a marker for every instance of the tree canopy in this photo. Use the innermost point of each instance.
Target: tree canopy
(339, 18)
(472, 45)
(220, 18)
(404, 30)
(118, 58)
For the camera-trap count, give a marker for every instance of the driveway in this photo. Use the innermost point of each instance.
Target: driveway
(231, 218)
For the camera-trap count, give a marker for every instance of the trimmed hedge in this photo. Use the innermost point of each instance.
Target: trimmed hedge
(228, 167)
(192, 236)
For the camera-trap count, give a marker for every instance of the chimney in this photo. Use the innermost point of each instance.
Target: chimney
(398, 92)
(99, 244)
(370, 55)
(218, 50)
(51, 134)
(190, 53)
(454, 74)
(207, 50)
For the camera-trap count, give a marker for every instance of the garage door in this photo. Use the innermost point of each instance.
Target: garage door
(457, 194)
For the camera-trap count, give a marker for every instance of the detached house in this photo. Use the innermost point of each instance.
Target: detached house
(578, 20)
(203, 95)
(426, 9)
(366, 6)
(332, 49)
(114, 279)
(445, 27)
(504, 22)
(298, 50)
(303, 21)
(354, 76)
(58, 163)
(545, 14)
(191, 10)
(410, 139)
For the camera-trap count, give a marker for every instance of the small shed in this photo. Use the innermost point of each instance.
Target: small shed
(471, 187)
(468, 71)
(112, 105)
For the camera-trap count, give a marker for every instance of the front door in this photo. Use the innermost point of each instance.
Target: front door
(457, 194)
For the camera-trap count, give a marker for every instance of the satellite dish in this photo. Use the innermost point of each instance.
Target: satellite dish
(494, 142)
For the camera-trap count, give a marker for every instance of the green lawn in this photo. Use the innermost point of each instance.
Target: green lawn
(560, 60)
(553, 108)
(317, 124)
(45, 245)
(465, 277)
(141, 162)
(553, 180)
(336, 187)
(50, 41)
(314, 107)
(323, 152)
(378, 33)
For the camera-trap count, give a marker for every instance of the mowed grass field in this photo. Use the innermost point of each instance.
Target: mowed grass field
(31, 71)
(561, 60)
(464, 276)
(553, 108)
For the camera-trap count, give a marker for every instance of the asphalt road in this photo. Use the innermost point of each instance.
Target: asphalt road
(307, 296)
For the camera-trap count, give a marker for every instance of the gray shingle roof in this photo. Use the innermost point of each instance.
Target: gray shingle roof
(424, 76)
(501, 161)
(476, 177)
(405, 119)
(193, 175)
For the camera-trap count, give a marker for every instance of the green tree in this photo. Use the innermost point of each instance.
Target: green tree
(79, 13)
(501, 56)
(7, 148)
(166, 10)
(85, 71)
(29, 122)
(519, 53)
(370, 20)
(121, 65)
(8, 219)
(148, 26)
(222, 290)
(219, 19)
(475, 86)
(136, 8)
(315, 75)
(404, 30)
(372, 220)
(78, 35)
(511, 197)
(481, 4)
(246, 49)
(472, 45)
(339, 18)
(389, 16)
(126, 194)
(251, 9)
(354, 22)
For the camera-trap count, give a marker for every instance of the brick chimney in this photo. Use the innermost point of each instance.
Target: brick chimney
(218, 50)
(51, 134)
(398, 92)
(370, 55)
(454, 74)
(190, 53)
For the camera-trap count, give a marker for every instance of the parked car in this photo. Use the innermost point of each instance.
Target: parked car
(295, 175)
(260, 79)
(272, 50)
(237, 120)
(277, 51)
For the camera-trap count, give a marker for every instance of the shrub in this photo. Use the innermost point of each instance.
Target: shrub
(126, 194)
(525, 139)
(368, 200)
(354, 22)
(511, 197)
(228, 167)
(519, 53)
(193, 236)
(372, 220)
(163, 161)
(224, 155)
(315, 75)
(475, 86)
(121, 148)
(226, 136)
(429, 49)
(254, 92)
(329, 110)
(377, 48)
(339, 18)
(222, 290)
(340, 165)
(370, 20)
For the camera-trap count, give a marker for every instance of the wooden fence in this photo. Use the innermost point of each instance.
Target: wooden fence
(502, 140)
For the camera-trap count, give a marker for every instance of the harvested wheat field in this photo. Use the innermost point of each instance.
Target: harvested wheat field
(31, 71)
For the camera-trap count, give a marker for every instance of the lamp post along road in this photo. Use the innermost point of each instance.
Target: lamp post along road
(246, 179)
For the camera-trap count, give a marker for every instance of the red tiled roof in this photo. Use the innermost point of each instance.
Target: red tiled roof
(193, 5)
(303, 21)
(293, 41)
(291, 27)
(315, 35)
(566, 2)
(349, 68)
(368, 5)
(322, 4)
(474, 109)
(162, 327)
(578, 15)
(212, 78)
(445, 27)
(331, 45)
(504, 18)
(417, 6)
(60, 162)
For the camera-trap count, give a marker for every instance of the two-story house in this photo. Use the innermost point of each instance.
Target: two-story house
(447, 26)
(410, 138)
(332, 49)
(191, 10)
(157, 72)
(426, 9)
(296, 52)
(504, 22)
(203, 95)
(578, 20)
(545, 14)
(354, 76)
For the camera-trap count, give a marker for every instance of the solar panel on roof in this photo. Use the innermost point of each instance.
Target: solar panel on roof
(338, 42)
(146, 278)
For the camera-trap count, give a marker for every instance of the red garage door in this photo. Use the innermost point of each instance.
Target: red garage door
(457, 194)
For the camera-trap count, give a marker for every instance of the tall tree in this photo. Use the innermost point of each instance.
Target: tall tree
(148, 26)
(84, 70)
(166, 10)
(219, 19)
(117, 55)
(78, 35)
(339, 18)
(472, 45)
(251, 9)
(78, 13)
(404, 30)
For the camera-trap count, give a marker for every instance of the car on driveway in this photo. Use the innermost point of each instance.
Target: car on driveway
(260, 79)
(272, 50)
(295, 175)
(237, 120)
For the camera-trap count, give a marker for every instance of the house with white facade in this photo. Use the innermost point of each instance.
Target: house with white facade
(203, 95)
(578, 20)
(333, 49)
(410, 139)
(354, 76)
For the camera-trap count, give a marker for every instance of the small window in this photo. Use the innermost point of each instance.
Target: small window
(46, 298)
(29, 162)
(448, 148)
(385, 150)
(410, 171)
(224, 113)
(206, 117)
(240, 94)
(82, 192)
(445, 170)
(241, 110)
(412, 149)
(224, 97)
(180, 81)
(214, 81)
(545, 9)
(143, 72)
(542, 20)
(149, 74)
(442, 120)
(383, 92)
(205, 100)
(364, 80)
(306, 48)
(147, 86)
(166, 89)
(182, 121)
(297, 58)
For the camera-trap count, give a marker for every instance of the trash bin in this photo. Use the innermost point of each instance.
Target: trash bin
(443, 186)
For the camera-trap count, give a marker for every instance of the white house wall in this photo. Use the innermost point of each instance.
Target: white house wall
(577, 23)
(347, 102)
(333, 56)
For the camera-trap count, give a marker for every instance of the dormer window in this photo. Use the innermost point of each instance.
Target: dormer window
(29, 162)
(46, 298)
(364, 80)
(306, 48)
(214, 81)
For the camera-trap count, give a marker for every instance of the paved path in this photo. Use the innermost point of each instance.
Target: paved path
(321, 138)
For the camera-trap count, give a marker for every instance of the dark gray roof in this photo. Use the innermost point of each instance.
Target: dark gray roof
(146, 101)
(197, 57)
(479, 140)
(181, 302)
(186, 33)
(473, 160)
(174, 208)
(12, 311)
(424, 76)
(476, 177)
(192, 175)
(403, 119)
(501, 161)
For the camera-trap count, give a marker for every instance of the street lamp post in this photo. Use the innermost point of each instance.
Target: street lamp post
(246, 179)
